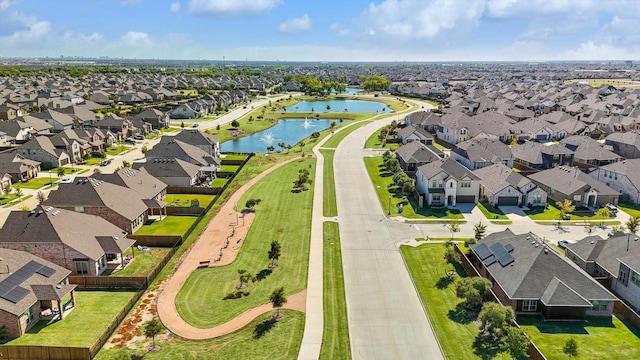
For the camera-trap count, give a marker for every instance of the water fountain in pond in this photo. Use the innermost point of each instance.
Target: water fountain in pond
(307, 124)
(267, 138)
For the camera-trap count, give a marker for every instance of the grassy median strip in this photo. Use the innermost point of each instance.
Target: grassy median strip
(209, 296)
(336, 138)
(335, 338)
(329, 205)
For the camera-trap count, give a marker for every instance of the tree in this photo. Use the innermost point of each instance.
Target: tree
(566, 207)
(60, 171)
(495, 317)
(392, 165)
(18, 191)
(270, 148)
(514, 141)
(387, 155)
(604, 213)
(144, 149)
(274, 253)
(303, 179)
(315, 135)
(301, 145)
(515, 342)
(244, 278)
(278, 299)
(328, 107)
(452, 258)
(182, 124)
(571, 348)
(7, 188)
(41, 197)
(408, 187)
(633, 223)
(152, 328)
(281, 145)
(479, 230)
(235, 124)
(454, 227)
(473, 290)
(251, 203)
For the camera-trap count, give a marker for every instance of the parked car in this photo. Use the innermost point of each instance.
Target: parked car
(66, 180)
(562, 244)
(105, 162)
(195, 125)
(139, 137)
(613, 209)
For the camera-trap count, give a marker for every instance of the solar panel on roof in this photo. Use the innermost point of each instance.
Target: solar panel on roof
(32, 267)
(46, 271)
(506, 260)
(490, 260)
(498, 250)
(16, 295)
(483, 251)
(508, 247)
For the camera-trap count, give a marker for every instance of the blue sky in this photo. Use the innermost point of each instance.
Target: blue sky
(323, 30)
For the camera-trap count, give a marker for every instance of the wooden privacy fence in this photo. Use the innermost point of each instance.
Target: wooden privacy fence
(622, 311)
(109, 282)
(157, 240)
(34, 352)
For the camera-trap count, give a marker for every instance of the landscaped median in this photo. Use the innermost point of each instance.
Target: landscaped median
(209, 296)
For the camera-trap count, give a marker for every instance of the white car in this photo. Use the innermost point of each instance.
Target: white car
(66, 180)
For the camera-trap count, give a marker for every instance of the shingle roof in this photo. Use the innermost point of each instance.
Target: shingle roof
(168, 168)
(416, 153)
(586, 148)
(605, 252)
(139, 181)
(568, 180)
(480, 150)
(498, 176)
(630, 168)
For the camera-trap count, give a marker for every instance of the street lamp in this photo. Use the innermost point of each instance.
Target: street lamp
(628, 236)
(389, 207)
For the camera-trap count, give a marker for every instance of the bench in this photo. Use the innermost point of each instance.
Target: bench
(204, 264)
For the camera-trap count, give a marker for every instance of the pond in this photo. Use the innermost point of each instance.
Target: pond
(339, 105)
(288, 131)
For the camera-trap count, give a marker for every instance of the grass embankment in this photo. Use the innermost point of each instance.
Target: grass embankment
(374, 143)
(340, 135)
(631, 209)
(491, 212)
(282, 215)
(335, 338)
(329, 206)
(385, 189)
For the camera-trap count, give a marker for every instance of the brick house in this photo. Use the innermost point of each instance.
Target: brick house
(500, 185)
(622, 176)
(567, 183)
(446, 183)
(30, 286)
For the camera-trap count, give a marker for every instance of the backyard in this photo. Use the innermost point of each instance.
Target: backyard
(143, 261)
(385, 188)
(283, 215)
(170, 225)
(185, 199)
(94, 312)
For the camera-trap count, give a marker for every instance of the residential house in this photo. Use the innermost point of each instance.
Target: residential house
(588, 152)
(446, 183)
(186, 111)
(58, 120)
(172, 172)
(410, 133)
(155, 117)
(139, 180)
(43, 150)
(200, 139)
(16, 129)
(538, 130)
(8, 112)
(119, 205)
(532, 278)
(63, 237)
(532, 156)
(625, 144)
(614, 262)
(425, 120)
(478, 153)
(31, 288)
(121, 128)
(569, 183)
(169, 148)
(415, 154)
(18, 167)
(623, 176)
(500, 185)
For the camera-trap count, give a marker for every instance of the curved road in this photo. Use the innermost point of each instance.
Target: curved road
(386, 317)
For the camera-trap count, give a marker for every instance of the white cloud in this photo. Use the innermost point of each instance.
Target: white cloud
(4, 5)
(134, 38)
(231, 7)
(339, 29)
(175, 7)
(295, 25)
(590, 50)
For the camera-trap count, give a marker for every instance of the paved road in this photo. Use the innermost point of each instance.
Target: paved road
(386, 317)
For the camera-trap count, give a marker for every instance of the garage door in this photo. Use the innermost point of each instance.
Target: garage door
(465, 199)
(541, 137)
(508, 200)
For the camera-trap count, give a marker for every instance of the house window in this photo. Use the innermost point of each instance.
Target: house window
(599, 305)
(537, 199)
(28, 315)
(622, 277)
(451, 184)
(82, 267)
(635, 278)
(529, 305)
(79, 209)
(465, 183)
(577, 197)
(434, 183)
(436, 198)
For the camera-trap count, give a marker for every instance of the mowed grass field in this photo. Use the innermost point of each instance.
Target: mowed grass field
(206, 298)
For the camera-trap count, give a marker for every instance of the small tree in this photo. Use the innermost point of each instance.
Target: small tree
(571, 348)
(244, 278)
(473, 290)
(60, 171)
(387, 155)
(278, 299)
(633, 223)
(454, 227)
(270, 148)
(251, 203)
(315, 135)
(604, 213)
(392, 165)
(152, 328)
(566, 207)
(495, 317)
(7, 188)
(479, 230)
(235, 124)
(18, 191)
(301, 145)
(451, 257)
(144, 149)
(303, 179)
(515, 342)
(514, 141)
(182, 124)
(41, 197)
(274, 253)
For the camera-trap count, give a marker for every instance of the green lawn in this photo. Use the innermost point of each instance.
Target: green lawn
(83, 325)
(143, 262)
(70, 170)
(385, 189)
(261, 339)
(117, 149)
(7, 198)
(185, 199)
(282, 215)
(631, 209)
(373, 143)
(456, 333)
(218, 182)
(490, 212)
(596, 338)
(170, 225)
(329, 206)
(229, 168)
(37, 183)
(93, 161)
(234, 157)
(554, 214)
(335, 338)
(337, 137)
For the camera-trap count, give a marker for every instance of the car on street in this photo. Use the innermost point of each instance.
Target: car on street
(195, 125)
(66, 180)
(105, 162)
(139, 137)
(562, 244)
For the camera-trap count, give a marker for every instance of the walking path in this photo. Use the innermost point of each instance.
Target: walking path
(208, 247)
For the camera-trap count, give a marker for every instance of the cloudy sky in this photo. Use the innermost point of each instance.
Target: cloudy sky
(323, 30)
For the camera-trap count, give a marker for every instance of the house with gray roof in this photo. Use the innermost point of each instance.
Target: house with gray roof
(18, 167)
(43, 150)
(446, 183)
(614, 261)
(410, 133)
(625, 144)
(58, 120)
(570, 183)
(139, 180)
(532, 278)
(32, 288)
(623, 176)
(478, 153)
(170, 148)
(532, 156)
(63, 237)
(500, 185)
(588, 152)
(199, 139)
(415, 154)
(173, 172)
(425, 120)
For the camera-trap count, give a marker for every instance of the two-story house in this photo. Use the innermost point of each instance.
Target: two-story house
(446, 183)
(500, 185)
